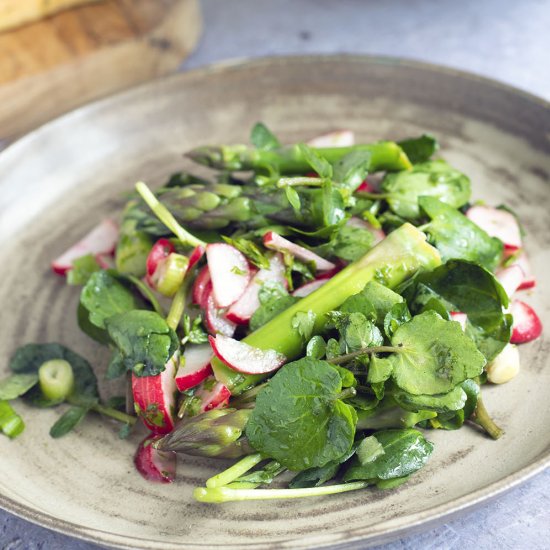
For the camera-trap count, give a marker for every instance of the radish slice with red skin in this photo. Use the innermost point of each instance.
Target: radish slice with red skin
(274, 241)
(527, 326)
(196, 255)
(378, 234)
(243, 309)
(154, 465)
(460, 318)
(194, 367)
(229, 272)
(510, 278)
(155, 397)
(201, 287)
(308, 288)
(160, 251)
(529, 280)
(338, 138)
(215, 397)
(497, 223)
(102, 239)
(216, 321)
(367, 187)
(244, 358)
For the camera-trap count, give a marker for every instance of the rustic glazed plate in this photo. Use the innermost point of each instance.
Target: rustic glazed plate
(59, 181)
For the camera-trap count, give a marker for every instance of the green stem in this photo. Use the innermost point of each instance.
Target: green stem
(147, 292)
(165, 216)
(234, 472)
(375, 196)
(300, 181)
(178, 305)
(114, 413)
(483, 419)
(226, 494)
(365, 351)
(243, 485)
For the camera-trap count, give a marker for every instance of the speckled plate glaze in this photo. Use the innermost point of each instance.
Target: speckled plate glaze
(60, 180)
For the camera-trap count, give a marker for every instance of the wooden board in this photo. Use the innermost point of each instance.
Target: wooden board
(54, 65)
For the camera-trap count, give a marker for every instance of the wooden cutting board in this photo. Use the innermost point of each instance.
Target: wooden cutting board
(54, 65)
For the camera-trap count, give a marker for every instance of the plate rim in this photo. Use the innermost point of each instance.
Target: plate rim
(416, 521)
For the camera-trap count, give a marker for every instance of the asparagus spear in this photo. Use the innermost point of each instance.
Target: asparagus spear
(385, 155)
(396, 258)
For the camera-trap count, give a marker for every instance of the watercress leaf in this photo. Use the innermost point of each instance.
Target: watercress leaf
(333, 348)
(318, 164)
(349, 244)
(82, 269)
(16, 385)
(68, 421)
(11, 424)
(456, 237)
(333, 205)
(30, 357)
(443, 403)
(390, 415)
(472, 393)
(104, 296)
(125, 431)
(197, 333)
(263, 138)
(348, 379)
(405, 452)
(293, 199)
(434, 179)
(116, 366)
(143, 339)
(250, 249)
(382, 299)
(273, 300)
(356, 331)
(397, 316)
(132, 249)
(386, 484)
(436, 355)
(380, 369)
(313, 477)
(359, 303)
(95, 333)
(316, 347)
(369, 450)
(352, 169)
(303, 322)
(419, 149)
(363, 402)
(473, 290)
(299, 419)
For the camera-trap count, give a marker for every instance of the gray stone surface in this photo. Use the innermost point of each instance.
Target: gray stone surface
(502, 39)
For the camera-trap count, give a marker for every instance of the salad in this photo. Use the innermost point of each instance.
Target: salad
(309, 311)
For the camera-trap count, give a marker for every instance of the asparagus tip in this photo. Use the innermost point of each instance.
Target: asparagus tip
(207, 155)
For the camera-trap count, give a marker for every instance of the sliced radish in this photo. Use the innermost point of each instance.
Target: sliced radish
(523, 262)
(213, 395)
(161, 250)
(244, 358)
(102, 239)
(242, 310)
(216, 321)
(378, 234)
(229, 272)
(154, 465)
(527, 326)
(196, 255)
(155, 397)
(460, 318)
(497, 223)
(194, 367)
(201, 287)
(338, 138)
(274, 241)
(510, 278)
(504, 366)
(367, 187)
(308, 288)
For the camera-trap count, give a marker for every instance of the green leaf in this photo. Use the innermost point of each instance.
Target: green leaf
(82, 270)
(333, 205)
(293, 199)
(380, 369)
(436, 355)
(16, 385)
(398, 315)
(132, 250)
(194, 331)
(11, 423)
(313, 477)
(419, 149)
(348, 243)
(304, 322)
(68, 421)
(359, 303)
(318, 164)
(250, 250)
(144, 340)
(456, 237)
(103, 296)
(125, 431)
(369, 450)
(382, 299)
(299, 420)
(356, 331)
(273, 300)
(433, 179)
(30, 357)
(262, 137)
(405, 452)
(448, 402)
(473, 290)
(316, 347)
(352, 169)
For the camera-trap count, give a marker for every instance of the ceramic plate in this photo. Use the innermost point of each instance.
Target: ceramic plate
(59, 181)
